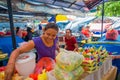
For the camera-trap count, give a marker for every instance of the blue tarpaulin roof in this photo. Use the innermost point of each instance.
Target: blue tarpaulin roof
(46, 6)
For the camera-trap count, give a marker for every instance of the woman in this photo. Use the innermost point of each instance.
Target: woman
(70, 41)
(85, 31)
(45, 45)
(19, 32)
(29, 34)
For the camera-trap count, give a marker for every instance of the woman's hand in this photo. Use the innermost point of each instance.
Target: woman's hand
(9, 71)
(76, 49)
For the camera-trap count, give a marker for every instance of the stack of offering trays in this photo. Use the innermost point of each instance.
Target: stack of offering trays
(94, 58)
(100, 72)
(89, 65)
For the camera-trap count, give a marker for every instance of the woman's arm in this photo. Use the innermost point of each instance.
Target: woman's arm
(57, 47)
(75, 43)
(24, 48)
(11, 63)
(76, 47)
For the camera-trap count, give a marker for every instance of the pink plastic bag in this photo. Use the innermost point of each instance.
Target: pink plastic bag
(112, 34)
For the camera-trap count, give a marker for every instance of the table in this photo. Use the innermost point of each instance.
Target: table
(105, 40)
(110, 45)
(110, 75)
(6, 43)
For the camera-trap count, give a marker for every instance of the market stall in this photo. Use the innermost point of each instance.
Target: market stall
(86, 64)
(68, 65)
(110, 75)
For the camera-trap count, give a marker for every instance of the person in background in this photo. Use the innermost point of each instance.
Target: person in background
(18, 32)
(70, 41)
(40, 29)
(45, 45)
(82, 36)
(29, 34)
(86, 31)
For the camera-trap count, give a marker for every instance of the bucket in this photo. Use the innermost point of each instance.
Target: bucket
(25, 64)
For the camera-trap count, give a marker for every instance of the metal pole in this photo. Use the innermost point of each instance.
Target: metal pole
(102, 18)
(55, 17)
(11, 23)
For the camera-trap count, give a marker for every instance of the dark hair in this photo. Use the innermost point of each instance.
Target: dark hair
(17, 29)
(87, 26)
(69, 30)
(51, 25)
(29, 29)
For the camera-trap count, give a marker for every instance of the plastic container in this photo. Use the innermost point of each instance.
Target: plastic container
(25, 64)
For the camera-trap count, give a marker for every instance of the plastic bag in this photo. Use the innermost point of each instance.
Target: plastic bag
(46, 63)
(69, 60)
(112, 34)
(51, 75)
(61, 74)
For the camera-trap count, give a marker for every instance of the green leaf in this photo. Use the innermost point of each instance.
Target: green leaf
(111, 8)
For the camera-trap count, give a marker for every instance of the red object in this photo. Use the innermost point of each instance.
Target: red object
(33, 76)
(46, 63)
(112, 34)
(87, 50)
(2, 33)
(2, 68)
(8, 33)
(70, 43)
(86, 32)
(24, 33)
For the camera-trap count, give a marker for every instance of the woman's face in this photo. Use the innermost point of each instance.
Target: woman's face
(68, 33)
(50, 34)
